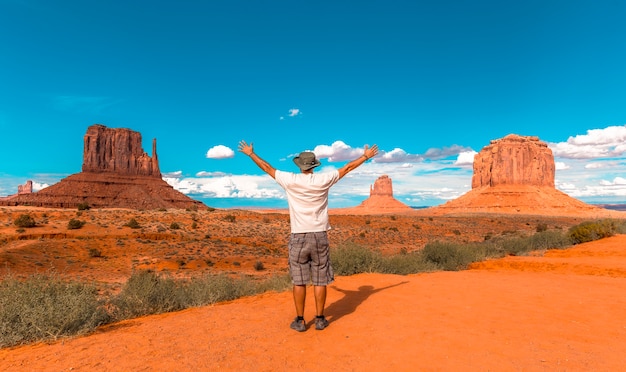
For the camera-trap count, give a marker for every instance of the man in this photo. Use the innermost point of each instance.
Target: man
(307, 195)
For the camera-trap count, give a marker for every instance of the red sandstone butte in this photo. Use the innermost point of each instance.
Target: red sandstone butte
(117, 173)
(515, 174)
(381, 200)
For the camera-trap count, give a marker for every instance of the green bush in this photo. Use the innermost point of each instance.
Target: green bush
(45, 307)
(550, 239)
(452, 256)
(230, 218)
(211, 289)
(350, 259)
(24, 220)
(145, 293)
(174, 226)
(404, 264)
(592, 230)
(95, 252)
(133, 224)
(75, 224)
(83, 206)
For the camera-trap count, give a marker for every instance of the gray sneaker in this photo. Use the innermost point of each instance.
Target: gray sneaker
(298, 325)
(321, 323)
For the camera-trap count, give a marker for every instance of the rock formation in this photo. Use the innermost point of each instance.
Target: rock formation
(117, 173)
(26, 188)
(381, 199)
(118, 151)
(515, 174)
(514, 160)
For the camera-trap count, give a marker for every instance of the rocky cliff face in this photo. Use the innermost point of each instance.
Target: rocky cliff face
(514, 160)
(118, 150)
(117, 173)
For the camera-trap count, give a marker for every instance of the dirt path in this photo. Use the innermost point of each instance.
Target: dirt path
(563, 311)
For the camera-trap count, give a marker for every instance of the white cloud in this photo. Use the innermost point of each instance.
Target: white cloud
(220, 152)
(559, 165)
(617, 181)
(397, 155)
(39, 186)
(228, 186)
(211, 174)
(338, 151)
(597, 143)
(465, 158)
(594, 166)
(446, 152)
(294, 112)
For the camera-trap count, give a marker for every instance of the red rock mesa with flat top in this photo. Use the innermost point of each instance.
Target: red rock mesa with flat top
(515, 174)
(118, 151)
(117, 173)
(514, 160)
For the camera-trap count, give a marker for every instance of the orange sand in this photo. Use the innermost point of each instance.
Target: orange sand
(560, 311)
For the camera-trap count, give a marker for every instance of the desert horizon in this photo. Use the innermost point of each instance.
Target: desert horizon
(550, 309)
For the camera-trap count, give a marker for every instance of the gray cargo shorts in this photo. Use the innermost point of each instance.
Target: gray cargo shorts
(309, 259)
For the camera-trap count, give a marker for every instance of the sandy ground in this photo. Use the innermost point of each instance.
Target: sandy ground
(551, 311)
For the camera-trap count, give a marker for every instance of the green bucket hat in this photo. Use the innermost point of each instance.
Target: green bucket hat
(306, 160)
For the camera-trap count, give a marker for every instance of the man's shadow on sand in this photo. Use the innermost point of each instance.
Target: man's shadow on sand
(352, 299)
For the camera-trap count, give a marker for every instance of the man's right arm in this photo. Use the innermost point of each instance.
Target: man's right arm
(265, 166)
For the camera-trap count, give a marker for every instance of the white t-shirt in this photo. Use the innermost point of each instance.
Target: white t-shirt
(307, 195)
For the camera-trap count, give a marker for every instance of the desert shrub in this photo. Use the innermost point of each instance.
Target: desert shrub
(230, 218)
(194, 225)
(174, 226)
(592, 230)
(75, 224)
(407, 263)
(145, 293)
(453, 256)
(550, 239)
(44, 307)
(95, 252)
(24, 220)
(258, 266)
(275, 283)
(83, 206)
(210, 289)
(350, 259)
(541, 227)
(133, 224)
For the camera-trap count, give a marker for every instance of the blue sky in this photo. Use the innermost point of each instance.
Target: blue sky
(430, 82)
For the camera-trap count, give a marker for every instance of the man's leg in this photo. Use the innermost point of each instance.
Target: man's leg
(320, 299)
(299, 296)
